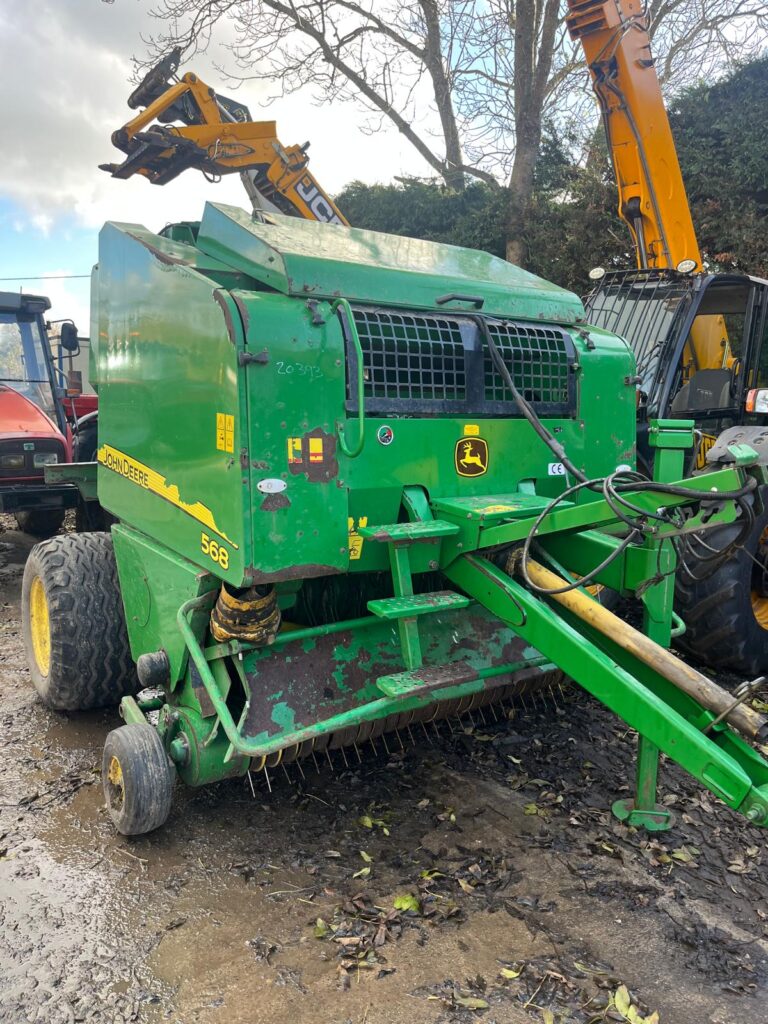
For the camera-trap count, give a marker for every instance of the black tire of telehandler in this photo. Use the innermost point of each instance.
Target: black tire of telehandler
(137, 777)
(40, 523)
(90, 664)
(723, 629)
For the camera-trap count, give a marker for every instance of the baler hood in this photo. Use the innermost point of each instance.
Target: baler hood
(326, 261)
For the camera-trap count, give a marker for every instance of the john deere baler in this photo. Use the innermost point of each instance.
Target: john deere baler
(358, 481)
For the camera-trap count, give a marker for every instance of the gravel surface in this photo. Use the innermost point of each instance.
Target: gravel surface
(478, 877)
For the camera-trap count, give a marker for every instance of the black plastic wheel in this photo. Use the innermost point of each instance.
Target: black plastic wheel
(40, 522)
(726, 614)
(138, 778)
(74, 624)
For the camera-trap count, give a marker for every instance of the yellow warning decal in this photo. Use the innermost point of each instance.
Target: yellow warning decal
(225, 432)
(141, 475)
(355, 540)
(314, 452)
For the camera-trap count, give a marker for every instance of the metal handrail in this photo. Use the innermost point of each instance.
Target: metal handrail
(343, 310)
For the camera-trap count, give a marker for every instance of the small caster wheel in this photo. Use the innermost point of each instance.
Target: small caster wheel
(138, 778)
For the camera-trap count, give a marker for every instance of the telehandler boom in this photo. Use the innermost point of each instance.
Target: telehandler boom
(700, 339)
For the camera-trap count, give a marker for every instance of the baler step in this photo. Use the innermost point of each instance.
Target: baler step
(496, 507)
(409, 533)
(417, 604)
(421, 680)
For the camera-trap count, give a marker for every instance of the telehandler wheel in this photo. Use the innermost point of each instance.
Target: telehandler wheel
(137, 776)
(726, 614)
(40, 522)
(74, 624)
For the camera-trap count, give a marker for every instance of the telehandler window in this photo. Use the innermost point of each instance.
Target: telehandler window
(720, 324)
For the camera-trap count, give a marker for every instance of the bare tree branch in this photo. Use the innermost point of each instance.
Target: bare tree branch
(469, 83)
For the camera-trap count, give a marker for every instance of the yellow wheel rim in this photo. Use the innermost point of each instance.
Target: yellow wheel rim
(760, 608)
(116, 794)
(40, 626)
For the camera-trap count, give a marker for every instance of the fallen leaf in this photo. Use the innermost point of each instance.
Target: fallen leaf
(621, 1000)
(365, 821)
(738, 867)
(507, 972)
(530, 809)
(683, 854)
(366, 857)
(362, 873)
(331, 853)
(466, 886)
(407, 902)
(321, 928)
(548, 1017)
(471, 1003)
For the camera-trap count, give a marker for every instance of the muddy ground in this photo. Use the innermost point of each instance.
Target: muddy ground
(479, 877)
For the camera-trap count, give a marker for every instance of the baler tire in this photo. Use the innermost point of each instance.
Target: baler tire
(726, 620)
(74, 624)
(137, 776)
(40, 523)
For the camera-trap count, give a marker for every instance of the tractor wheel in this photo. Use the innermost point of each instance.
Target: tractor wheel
(86, 442)
(40, 522)
(74, 625)
(726, 614)
(137, 777)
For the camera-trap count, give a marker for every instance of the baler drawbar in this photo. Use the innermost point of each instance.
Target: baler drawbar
(361, 483)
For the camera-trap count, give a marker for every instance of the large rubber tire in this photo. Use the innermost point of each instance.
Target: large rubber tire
(40, 522)
(74, 624)
(86, 443)
(138, 778)
(726, 614)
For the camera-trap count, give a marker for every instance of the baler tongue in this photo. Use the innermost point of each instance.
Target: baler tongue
(675, 709)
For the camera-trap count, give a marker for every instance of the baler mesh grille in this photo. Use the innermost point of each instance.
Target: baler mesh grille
(537, 359)
(439, 364)
(410, 357)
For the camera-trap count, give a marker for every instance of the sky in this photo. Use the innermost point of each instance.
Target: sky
(65, 68)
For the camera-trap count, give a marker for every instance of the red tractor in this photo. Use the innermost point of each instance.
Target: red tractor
(38, 417)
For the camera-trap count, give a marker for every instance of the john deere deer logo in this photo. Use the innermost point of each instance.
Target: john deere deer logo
(471, 456)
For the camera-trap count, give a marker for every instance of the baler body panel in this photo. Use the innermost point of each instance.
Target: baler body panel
(168, 373)
(220, 432)
(301, 258)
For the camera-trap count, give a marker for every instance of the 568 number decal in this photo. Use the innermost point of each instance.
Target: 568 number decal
(214, 550)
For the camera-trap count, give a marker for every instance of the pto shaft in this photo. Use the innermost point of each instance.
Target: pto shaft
(685, 678)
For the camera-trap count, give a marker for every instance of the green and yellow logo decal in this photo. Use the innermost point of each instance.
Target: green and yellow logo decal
(470, 456)
(150, 480)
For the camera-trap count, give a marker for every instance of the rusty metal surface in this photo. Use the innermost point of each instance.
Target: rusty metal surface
(333, 674)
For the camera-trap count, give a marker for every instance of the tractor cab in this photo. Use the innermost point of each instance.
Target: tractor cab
(700, 341)
(34, 432)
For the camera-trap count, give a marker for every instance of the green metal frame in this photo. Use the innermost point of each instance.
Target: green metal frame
(667, 720)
